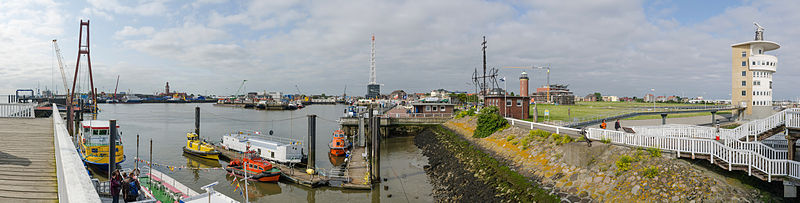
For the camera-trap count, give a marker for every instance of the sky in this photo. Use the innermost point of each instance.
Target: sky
(615, 47)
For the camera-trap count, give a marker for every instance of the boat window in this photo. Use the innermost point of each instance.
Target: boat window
(100, 132)
(272, 154)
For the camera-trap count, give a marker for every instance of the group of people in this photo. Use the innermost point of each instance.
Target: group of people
(127, 183)
(617, 126)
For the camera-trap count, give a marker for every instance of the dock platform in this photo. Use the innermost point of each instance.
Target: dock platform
(357, 171)
(27, 160)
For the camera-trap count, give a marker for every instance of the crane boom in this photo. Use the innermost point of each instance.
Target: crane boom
(115, 88)
(240, 89)
(61, 65)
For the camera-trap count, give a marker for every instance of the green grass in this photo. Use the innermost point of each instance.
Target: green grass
(583, 110)
(677, 115)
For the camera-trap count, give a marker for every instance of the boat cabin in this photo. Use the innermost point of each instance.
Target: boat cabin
(96, 132)
(272, 148)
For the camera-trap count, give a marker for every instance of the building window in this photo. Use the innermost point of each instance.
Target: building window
(519, 102)
(744, 93)
(427, 108)
(744, 83)
(508, 102)
(744, 73)
(744, 63)
(744, 53)
(759, 51)
(441, 108)
(770, 84)
(434, 108)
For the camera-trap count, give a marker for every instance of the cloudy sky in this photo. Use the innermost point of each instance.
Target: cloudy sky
(616, 47)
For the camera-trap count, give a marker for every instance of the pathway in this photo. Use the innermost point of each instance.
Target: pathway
(27, 160)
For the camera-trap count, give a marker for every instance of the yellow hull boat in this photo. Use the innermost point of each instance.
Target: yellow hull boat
(199, 148)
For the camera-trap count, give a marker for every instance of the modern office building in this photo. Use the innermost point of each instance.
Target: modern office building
(752, 76)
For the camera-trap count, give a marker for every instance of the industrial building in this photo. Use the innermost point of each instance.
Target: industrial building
(559, 94)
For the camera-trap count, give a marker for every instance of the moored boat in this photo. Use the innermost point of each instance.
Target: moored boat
(254, 167)
(93, 144)
(200, 148)
(272, 148)
(339, 144)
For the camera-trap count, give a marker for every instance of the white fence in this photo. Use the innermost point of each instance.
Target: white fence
(21, 110)
(419, 115)
(731, 156)
(74, 184)
(552, 128)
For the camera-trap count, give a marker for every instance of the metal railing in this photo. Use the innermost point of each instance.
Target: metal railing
(532, 125)
(419, 115)
(19, 110)
(729, 155)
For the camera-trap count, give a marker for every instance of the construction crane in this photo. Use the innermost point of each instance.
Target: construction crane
(235, 95)
(540, 68)
(61, 65)
(115, 90)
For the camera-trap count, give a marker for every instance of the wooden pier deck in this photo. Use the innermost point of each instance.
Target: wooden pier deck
(27, 160)
(357, 171)
(296, 175)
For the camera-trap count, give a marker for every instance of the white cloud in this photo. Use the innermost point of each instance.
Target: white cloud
(260, 15)
(91, 12)
(144, 8)
(129, 31)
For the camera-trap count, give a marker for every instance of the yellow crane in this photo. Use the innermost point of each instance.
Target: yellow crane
(540, 68)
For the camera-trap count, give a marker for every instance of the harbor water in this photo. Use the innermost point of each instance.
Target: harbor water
(167, 124)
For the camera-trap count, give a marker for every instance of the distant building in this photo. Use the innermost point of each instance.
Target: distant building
(649, 98)
(398, 95)
(432, 108)
(611, 98)
(373, 91)
(559, 94)
(510, 106)
(441, 93)
(578, 99)
(590, 98)
(627, 99)
(523, 84)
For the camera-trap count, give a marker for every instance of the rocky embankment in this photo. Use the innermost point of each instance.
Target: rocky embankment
(460, 172)
(606, 173)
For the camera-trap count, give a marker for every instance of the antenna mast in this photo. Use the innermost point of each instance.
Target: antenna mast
(372, 77)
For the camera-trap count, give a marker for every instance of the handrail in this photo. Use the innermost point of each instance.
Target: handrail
(74, 184)
(533, 125)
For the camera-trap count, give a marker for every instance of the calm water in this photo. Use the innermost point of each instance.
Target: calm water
(167, 125)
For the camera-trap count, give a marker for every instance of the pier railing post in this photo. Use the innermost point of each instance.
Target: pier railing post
(312, 131)
(112, 146)
(377, 153)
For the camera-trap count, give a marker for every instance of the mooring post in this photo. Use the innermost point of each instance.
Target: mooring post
(377, 147)
(137, 151)
(69, 121)
(112, 146)
(361, 130)
(663, 119)
(197, 120)
(370, 143)
(312, 131)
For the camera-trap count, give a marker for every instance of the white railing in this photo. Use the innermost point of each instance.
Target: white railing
(22, 110)
(793, 119)
(74, 184)
(419, 115)
(532, 125)
(675, 130)
(731, 156)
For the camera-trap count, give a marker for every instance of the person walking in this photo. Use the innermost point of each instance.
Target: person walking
(115, 184)
(603, 125)
(132, 188)
(617, 126)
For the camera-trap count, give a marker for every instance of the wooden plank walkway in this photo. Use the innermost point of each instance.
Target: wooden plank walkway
(27, 160)
(357, 171)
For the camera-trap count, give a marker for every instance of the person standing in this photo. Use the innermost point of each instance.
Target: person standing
(603, 125)
(115, 184)
(132, 185)
(617, 126)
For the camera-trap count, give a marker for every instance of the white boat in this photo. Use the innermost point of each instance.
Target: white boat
(278, 149)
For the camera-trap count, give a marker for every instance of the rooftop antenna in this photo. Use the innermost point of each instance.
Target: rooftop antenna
(759, 32)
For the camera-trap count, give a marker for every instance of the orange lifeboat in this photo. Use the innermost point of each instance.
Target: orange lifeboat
(255, 168)
(339, 143)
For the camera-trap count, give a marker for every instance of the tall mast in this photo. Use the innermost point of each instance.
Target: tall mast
(372, 77)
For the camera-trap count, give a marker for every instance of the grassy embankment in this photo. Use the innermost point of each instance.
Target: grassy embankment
(583, 110)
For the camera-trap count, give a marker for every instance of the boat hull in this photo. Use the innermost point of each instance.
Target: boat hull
(338, 152)
(214, 155)
(261, 177)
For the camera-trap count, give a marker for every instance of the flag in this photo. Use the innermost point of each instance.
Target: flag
(503, 79)
(234, 180)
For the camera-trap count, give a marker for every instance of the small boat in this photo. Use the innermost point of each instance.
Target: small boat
(93, 144)
(254, 167)
(273, 148)
(339, 144)
(200, 148)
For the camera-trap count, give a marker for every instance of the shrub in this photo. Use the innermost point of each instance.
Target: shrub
(605, 140)
(468, 112)
(509, 138)
(654, 152)
(566, 139)
(651, 172)
(489, 122)
(624, 163)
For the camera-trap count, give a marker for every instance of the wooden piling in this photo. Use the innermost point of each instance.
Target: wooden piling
(112, 146)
